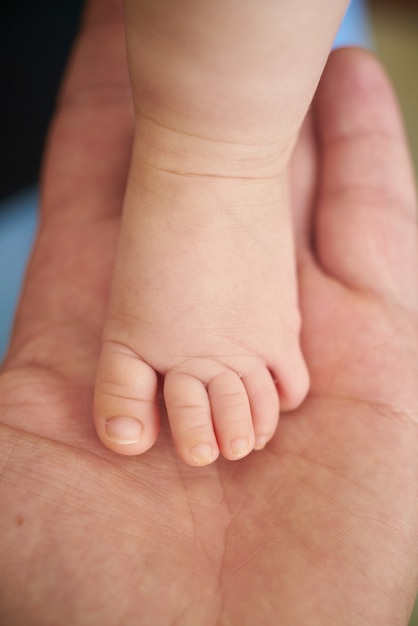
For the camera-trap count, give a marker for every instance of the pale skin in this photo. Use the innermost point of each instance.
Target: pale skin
(320, 527)
(204, 289)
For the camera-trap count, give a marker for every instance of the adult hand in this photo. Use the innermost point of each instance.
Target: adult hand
(321, 526)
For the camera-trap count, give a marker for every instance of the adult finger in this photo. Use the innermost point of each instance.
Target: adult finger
(88, 152)
(303, 173)
(365, 228)
(85, 171)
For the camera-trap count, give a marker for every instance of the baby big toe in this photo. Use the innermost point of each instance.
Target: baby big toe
(126, 413)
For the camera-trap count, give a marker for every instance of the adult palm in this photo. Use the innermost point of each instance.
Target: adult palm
(321, 526)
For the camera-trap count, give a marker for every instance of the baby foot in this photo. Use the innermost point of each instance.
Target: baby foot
(204, 294)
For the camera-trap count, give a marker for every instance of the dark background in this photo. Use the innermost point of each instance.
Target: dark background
(35, 40)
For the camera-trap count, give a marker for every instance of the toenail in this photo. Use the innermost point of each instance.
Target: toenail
(260, 442)
(203, 454)
(240, 447)
(123, 430)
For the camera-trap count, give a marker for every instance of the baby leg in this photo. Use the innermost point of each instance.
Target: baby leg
(204, 290)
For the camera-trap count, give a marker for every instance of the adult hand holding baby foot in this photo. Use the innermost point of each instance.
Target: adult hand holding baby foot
(320, 527)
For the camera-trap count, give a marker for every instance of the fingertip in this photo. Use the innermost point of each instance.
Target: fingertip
(357, 80)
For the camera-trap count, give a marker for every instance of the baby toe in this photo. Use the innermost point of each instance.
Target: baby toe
(231, 414)
(126, 413)
(190, 418)
(264, 403)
